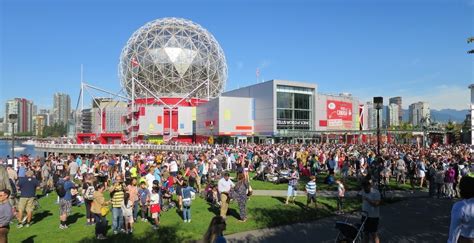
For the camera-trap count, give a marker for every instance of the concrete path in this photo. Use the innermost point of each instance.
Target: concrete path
(412, 220)
(389, 194)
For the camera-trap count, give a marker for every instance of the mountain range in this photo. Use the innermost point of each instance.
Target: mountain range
(443, 115)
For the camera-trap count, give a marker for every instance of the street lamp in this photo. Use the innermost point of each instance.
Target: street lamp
(13, 118)
(378, 103)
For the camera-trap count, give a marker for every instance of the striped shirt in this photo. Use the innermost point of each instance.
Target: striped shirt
(311, 187)
(117, 198)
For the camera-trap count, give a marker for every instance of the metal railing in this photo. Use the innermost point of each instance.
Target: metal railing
(134, 147)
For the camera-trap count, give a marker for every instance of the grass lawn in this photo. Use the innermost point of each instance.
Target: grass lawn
(263, 212)
(350, 184)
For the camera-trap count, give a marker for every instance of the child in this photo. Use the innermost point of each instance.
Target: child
(155, 207)
(340, 196)
(127, 210)
(311, 191)
(186, 192)
(144, 196)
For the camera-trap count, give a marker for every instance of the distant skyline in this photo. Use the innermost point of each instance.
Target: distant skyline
(413, 49)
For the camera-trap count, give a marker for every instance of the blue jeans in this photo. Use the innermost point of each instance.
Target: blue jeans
(135, 211)
(186, 213)
(117, 219)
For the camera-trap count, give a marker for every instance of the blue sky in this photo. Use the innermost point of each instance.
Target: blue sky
(415, 49)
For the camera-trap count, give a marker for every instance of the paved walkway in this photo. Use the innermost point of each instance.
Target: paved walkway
(389, 194)
(411, 220)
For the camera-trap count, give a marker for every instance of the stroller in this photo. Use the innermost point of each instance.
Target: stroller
(350, 232)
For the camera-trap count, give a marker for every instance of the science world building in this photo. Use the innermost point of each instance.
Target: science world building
(174, 73)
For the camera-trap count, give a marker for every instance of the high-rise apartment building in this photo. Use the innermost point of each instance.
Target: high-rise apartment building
(61, 108)
(393, 112)
(397, 100)
(418, 113)
(23, 108)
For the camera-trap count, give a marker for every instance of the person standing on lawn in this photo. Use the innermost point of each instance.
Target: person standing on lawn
(117, 192)
(133, 191)
(241, 189)
(370, 204)
(311, 191)
(340, 196)
(224, 186)
(187, 200)
(27, 186)
(462, 214)
(6, 215)
(144, 199)
(88, 193)
(292, 185)
(96, 209)
(63, 189)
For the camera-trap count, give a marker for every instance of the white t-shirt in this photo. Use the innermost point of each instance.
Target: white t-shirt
(173, 166)
(154, 198)
(224, 186)
(149, 180)
(373, 195)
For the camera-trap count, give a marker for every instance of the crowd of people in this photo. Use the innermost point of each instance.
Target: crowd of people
(142, 185)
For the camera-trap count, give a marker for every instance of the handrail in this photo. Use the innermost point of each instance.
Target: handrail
(137, 147)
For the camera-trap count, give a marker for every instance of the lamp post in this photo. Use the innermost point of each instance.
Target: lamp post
(378, 103)
(13, 118)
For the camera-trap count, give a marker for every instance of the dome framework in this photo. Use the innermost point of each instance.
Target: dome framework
(173, 57)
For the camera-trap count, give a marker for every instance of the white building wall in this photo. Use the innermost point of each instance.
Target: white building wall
(186, 116)
(236, 116)
(264, 95)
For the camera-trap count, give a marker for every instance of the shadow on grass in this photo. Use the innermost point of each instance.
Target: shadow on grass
(166, 234)
(73, 218)
(283, 201)
(37, 217)
(30, 239)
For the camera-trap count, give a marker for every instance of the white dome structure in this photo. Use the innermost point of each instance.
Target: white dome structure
(173, 57)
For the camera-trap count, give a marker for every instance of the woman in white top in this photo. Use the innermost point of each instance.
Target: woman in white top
(127, 210)
(461, 229)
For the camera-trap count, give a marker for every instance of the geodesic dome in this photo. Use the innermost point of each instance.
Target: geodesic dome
(173, 57)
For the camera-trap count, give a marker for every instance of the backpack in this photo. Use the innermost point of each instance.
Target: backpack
(128, 175)
(89, 194)
(60, 189)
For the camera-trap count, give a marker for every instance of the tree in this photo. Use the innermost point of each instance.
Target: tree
(56, 130)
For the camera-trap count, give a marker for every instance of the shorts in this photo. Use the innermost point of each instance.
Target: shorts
(155, 215)
(371, 225)
(128, 219)
(311, 198)
(26, 204)
(291, 191)
(64, 206)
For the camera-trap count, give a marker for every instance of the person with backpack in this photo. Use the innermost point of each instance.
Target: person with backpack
(186, 193)
(88, 194)
(63, 189)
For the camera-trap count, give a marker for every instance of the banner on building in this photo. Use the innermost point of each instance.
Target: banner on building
(339, 114)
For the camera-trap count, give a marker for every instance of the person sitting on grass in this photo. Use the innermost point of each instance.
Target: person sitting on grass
(311, 191)
(186, 193)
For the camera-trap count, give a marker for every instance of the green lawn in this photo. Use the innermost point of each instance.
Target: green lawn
(263, 212)
(350, 184)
